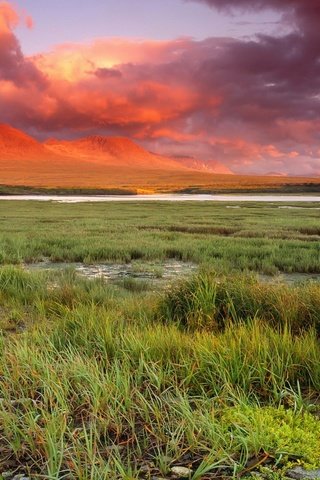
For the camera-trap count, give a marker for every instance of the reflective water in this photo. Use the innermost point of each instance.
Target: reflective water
(165, 197)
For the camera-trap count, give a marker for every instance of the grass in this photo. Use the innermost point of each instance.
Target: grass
(102, 387)
(207, 302)
(255, 237)
(217, 373)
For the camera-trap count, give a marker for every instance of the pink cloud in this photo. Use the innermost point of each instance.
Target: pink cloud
(252, 104)
(9, 18)
(14, 66)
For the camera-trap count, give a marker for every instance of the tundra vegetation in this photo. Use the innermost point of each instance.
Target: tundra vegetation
(217, 372)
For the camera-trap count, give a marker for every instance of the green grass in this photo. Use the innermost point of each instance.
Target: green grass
(102, 387)
(218, 372)
(255, 237)
(210, 303)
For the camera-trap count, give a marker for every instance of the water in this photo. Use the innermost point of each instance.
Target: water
(162, 272)
(111, 272)
(165, 197)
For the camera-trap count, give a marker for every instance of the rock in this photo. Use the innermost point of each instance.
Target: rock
(181, 472)
(299, 473)
(20, 476)
(146, 468)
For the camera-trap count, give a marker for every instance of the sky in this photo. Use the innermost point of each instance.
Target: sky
(235, 81)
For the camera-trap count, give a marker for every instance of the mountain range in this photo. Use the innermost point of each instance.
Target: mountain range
(94, 160)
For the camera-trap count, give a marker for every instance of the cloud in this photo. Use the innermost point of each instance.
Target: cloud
(14, 66)
(261, 4)
(104, 73)
(253, 104)
(8, 18)
(305, 13)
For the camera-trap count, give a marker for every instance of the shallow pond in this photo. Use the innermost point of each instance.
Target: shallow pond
(157, 271)
(164, 272)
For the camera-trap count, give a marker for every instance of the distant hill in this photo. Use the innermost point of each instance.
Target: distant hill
(99, 162)
(116, 151)
(17, 144)
(96, 161)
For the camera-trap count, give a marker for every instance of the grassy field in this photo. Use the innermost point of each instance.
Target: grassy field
(256, 237)
(217, 373)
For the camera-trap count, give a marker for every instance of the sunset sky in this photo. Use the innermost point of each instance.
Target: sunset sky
(236, 81)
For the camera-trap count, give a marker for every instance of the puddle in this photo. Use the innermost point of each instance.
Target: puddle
(162, 272)
(290, 278)
(112, 272)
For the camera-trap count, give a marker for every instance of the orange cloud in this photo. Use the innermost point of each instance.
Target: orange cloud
(96, 85)
(77, 61)
(9, 18)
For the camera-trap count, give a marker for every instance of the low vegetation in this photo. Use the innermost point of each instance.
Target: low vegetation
(217, 373)
(208, 303)
(257, 237)
(218, 184)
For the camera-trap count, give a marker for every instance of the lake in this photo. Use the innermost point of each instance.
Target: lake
(165, 197)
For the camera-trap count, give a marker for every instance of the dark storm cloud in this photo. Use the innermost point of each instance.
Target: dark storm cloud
(14, 66)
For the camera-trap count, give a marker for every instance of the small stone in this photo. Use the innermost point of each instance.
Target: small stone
(146, 468)
(181, 472)
(299, 473)
(21, 476)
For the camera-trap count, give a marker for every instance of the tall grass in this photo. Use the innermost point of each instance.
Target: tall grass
(129, 396)
(101, 387)
(206, 301)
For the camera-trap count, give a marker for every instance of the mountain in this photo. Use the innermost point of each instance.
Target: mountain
(94, 161)
(15, 144)
(98, 162)
(116, 151)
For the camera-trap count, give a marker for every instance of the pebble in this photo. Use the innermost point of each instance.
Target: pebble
(299, 473)
(12, 476)
(181, 472)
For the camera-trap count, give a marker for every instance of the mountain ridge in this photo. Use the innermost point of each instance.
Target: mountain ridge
(18, 146)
